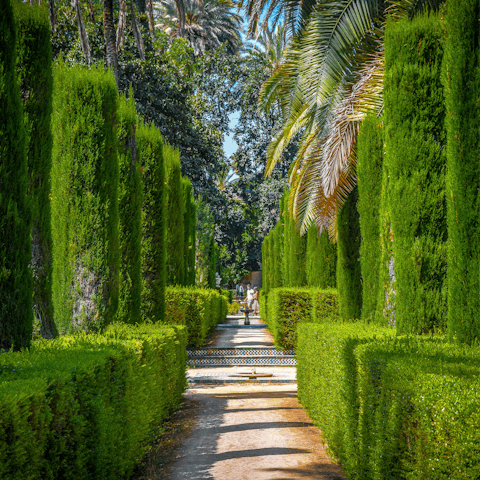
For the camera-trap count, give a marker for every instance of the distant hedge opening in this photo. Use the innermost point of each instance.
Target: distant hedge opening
(415, 157)
(16, 317)
(84, 199)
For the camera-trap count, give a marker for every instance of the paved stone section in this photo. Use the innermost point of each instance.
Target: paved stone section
(224, 374)
(252, 432)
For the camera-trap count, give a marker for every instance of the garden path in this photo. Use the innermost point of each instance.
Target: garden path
(251, 431)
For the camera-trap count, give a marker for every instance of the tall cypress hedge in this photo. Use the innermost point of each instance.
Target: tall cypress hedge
(84, 199)
(16, 317)
(130, 199)
(349, 279)
(34, 70)
(415, 155)
(277, 254)
(174, 217)
(321, 259)
(266, 264)
(190, 228)
(369, 174)
(461, 78)
(150, 146)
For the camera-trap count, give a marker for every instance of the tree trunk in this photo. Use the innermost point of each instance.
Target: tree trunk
(181, 17)
(137, 33)
(81, 30)
(122, 22)
(110, 40)
(151, 23)
(52, 15)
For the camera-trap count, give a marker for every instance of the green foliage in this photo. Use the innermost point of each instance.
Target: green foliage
(284, 308)
(461, 79)
(369, 173)
(415, 157)
(204, 231)
(277, 254)
(16, 318)
(174, 218)
(212, 261)
(349, 282)
(150, 146)
(321, 259)
(200, 309)
(34, 71)
(130, 199)
(82, 406)
(190, 227)
(84, 199)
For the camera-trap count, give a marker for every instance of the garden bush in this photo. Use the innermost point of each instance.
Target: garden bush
(34, 71)
(321, 259)
(84, 198)
(461, 79)
(415, 154)
(190, 231)
(130, 199)
(150, 146)
(82, 407)
(391, 407)
(16, 317)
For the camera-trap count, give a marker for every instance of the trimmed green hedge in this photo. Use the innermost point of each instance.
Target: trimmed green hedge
(369, 173)
(200, 309)
(190, 231)
(321, 259)
(84, 198)
(415, 139)
(284, 308)
(82, 407)
(34, 70)
(130, 199)
(16, 317)
(461, 79)
(392, 408)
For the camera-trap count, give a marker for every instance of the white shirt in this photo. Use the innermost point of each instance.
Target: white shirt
(249, 294)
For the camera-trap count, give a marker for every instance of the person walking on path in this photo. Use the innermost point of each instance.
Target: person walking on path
(255, 304)
(240, 291)
(249, 296)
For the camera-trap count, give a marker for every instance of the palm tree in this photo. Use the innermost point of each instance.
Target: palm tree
(331, 75)
(207, 24)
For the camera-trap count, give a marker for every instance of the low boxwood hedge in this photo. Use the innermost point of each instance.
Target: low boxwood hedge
(283, 308)
(82, 406)
(200, 309)
(392, 407)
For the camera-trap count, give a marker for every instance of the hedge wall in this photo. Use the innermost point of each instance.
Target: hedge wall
(369, 174)
(83, 407)
(130, 200)
(349, 281)
(321, 259)
(461, 78)
(174, 217)
(415, 155)
(34, 71)
(277, 254)
(84, 199)
(149, 143)
(190, 232)
(16, 318)
(389, 408)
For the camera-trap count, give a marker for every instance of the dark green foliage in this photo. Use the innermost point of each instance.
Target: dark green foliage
(34, 71)
(150, 146)
(321, 259)
(415, 156)
(174, 218)
(369, 174)
(82, 407)
(349, 281)
(16, 318)
(130, 199)
(461, 79)
(84, 199)
(284, 308)
(190, 228)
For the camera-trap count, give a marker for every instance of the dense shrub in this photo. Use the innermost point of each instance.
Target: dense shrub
(321, 259)
(461, 79)
(34, 70)
(369, 173)
(190, 232)
(277, 256)
(82, 407)
(16, 318)
(149, 142)
(415, 155)
(387, 406)
(174, 218)
(200, 309)
(84, 198)
(349, 281)
(284, 308)
(130, 199)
